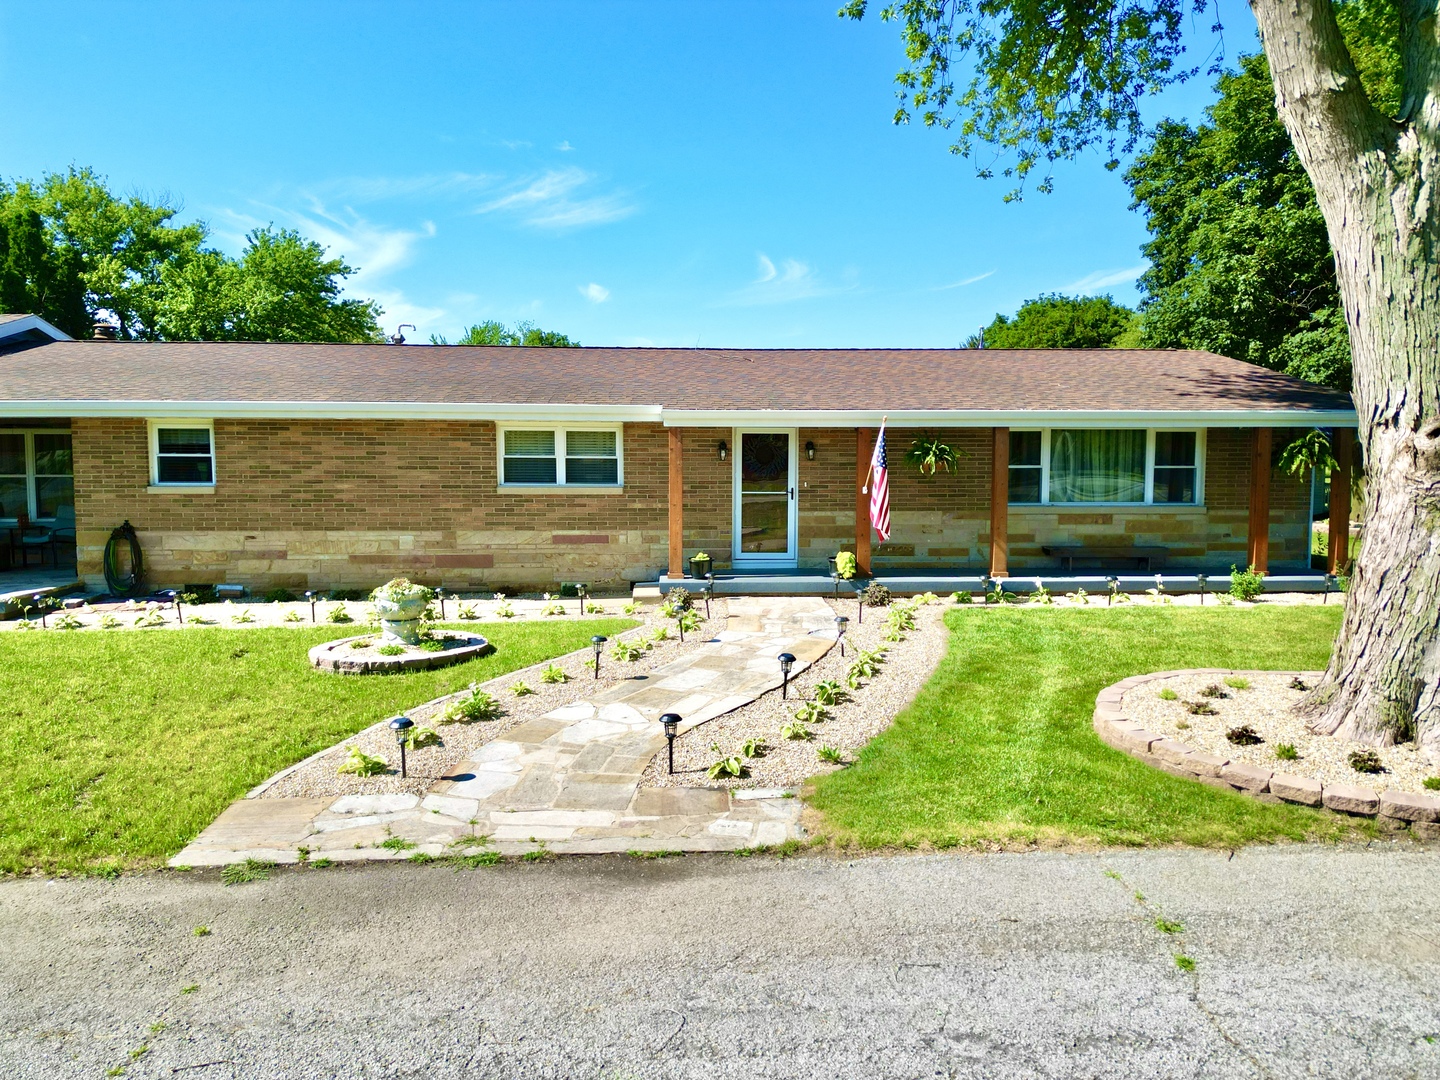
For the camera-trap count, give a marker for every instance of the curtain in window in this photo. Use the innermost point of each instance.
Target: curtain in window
(1097, 466)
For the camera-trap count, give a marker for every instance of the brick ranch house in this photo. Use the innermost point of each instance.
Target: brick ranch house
(326, 466)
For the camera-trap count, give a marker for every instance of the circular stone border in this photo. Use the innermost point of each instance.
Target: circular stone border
(325, 655)
(1393, 809)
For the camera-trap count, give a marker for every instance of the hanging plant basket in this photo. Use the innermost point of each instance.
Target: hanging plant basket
(929, 455)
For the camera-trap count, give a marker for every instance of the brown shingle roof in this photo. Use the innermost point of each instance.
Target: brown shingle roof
(704, 379)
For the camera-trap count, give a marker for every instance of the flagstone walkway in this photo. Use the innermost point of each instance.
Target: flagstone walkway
(570, 779)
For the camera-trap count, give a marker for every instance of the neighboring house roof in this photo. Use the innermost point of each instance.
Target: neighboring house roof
(679, 386)
(16, 328)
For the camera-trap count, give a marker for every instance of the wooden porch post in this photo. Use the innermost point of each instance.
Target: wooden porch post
(1000, 505)
(863, 450)
(1258, 545)
(1339, 546)
(677, 505)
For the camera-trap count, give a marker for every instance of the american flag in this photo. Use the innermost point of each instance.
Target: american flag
(880, 488)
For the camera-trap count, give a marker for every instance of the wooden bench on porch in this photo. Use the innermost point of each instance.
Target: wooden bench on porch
(1145, 558)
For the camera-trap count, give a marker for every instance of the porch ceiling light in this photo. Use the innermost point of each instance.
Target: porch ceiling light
(671, 723)
(724, 450)
(787, 661)
(401, 725)
(598, 644)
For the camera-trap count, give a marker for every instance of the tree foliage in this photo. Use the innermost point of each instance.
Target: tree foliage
(73, 252)
(1053, 321)
(492, 332)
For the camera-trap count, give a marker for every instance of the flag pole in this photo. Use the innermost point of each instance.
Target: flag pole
(869, 469)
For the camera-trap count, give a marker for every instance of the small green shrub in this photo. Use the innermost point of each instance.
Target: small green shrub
(1366, 761)
(359, 763)
(628, 651)
(391, 650)
(280, 596)
(846, 565)
(554, 673)
(1286, 751)
(810, 712)
(1237, 682)
(732, 765)
(630, 607)
(478, 706)
(338, 614)
(830, 754)
(659, 634)
(1167, 694)
(900, 617)
(1244, 735)
(829, 692)
(754, 748)
(875, 595)
(1246, 584)
(522, 688)
(796, 730)
(678, 599)
(962, 598)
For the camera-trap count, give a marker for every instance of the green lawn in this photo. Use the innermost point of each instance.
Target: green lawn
(998, 747)
(119, 746)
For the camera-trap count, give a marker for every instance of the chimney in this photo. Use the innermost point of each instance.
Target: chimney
(103, 332)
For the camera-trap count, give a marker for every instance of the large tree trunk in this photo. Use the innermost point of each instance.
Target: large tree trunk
(1375, 179)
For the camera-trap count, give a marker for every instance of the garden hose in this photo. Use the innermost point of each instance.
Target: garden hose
(130, 584)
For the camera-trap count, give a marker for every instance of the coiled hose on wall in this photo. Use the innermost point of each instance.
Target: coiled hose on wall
(129, 584)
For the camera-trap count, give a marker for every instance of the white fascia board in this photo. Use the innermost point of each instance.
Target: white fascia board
(334, 410)
(16, 327)
(957, 418)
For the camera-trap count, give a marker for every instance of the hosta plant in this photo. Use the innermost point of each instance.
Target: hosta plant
(1079, 596)
(795, 730)
(688, 621)
(830, 754)
(110, 622)
(359, 763)
(421, 737)
(754, 747)
(829, 692)
(477, 706)
(522, 688)
(467, 612)
(554, 673)
(628, 651)
(338, 614)
(726, 766)
(504, 610)
(294, 616)
(810, 712)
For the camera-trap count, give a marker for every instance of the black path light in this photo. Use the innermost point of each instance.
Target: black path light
(787, 661)
(175, 599)
(841, 623)
(709, 590)
(401, 725)
(39, 600)
(986, 584)
(1114, 583)
(440, 595)
(1330, 582)
(309, 595)
(1202, 580)
(598, 644)
(580, 590)
(671, 722)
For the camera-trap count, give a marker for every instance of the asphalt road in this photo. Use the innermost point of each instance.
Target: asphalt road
(1308, 962)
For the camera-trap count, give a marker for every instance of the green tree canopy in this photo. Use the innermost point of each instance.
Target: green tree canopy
(128, 260)
(492, 332)
(1053, 321)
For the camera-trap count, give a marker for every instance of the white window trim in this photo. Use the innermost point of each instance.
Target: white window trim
(560, 447)
(32, 493)
(155, 482)
(1199, 502)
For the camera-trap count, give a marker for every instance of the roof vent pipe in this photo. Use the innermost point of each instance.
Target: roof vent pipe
(103, 332)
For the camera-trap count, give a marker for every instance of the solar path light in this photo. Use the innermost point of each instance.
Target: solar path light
(1202, 580)
(709, 590)
(440, 595)
(174, 596)
(671, 723)
(580, 589)
(310, 595)
(841, 623)
(598, 643)
(787, 661)
(1114, 583)
(401, 725)
(1330, 582)
(39, 601)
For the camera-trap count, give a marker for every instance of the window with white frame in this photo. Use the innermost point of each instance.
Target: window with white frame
(182, 454)
(576, 457)
(1120, 466)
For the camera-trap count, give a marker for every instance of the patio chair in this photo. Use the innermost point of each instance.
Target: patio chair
(27, 537)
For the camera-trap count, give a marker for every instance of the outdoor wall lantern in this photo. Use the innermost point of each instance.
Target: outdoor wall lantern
(1330, 582)
(598, 644)
(671, 721)
(1201, 580)
(310, 595)
(841, 623)
(1114, 583)
(809, 451)
(787, 661)
(724, 450)
(709, 590)
(174, 595)
(401, 725)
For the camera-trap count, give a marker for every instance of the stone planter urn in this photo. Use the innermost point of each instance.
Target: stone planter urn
(400, 607)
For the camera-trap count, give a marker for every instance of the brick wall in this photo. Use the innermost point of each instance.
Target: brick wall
(306, 504)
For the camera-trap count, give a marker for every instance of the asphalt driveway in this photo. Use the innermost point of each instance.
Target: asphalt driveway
(1308, 962)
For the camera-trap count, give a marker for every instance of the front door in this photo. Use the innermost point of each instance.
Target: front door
(765, 504)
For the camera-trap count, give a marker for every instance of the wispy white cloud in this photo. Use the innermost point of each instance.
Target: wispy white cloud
(565, 147)
(596, 294)
(1103, 279)
(559, 199)
(962, 284)
(791, 280)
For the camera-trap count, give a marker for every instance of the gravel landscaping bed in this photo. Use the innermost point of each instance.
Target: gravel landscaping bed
(317, 776)
(852, 723)
(1267, 705)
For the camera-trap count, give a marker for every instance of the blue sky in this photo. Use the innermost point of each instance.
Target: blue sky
(627, 173)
